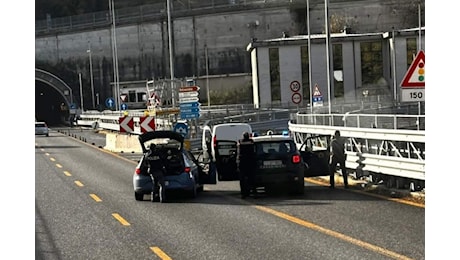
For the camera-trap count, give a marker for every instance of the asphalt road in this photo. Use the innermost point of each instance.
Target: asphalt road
(85, 209)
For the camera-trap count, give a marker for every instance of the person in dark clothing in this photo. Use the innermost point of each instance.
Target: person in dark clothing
(156, 171)
(338, 156)
(246, 164)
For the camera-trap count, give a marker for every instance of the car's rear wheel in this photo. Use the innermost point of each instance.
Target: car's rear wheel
(138, 196)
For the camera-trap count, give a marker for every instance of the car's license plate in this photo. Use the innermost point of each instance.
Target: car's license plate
(273, 164)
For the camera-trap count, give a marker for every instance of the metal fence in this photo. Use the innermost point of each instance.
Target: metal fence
(151, 12)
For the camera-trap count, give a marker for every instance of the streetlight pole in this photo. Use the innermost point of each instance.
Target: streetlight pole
(81, 92)
(328, 54)
(115, 57)
(91, 73)
(207, 75)
(171, 59)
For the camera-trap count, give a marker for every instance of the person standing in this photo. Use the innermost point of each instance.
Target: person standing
(246, 164)
(156, 170)
(338, 156)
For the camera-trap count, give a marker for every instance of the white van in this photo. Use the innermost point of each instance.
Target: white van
(220, 145)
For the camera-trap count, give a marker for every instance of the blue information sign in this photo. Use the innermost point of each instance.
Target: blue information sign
(123, 106)
(109, 102)
(181, 128)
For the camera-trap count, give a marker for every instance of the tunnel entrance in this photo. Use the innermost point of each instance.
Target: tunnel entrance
(50, 105)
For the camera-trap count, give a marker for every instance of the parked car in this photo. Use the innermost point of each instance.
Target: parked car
(278, 164)
(41, 128)
(182, 171)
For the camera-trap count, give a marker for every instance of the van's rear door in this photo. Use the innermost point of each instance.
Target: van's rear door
(226, 160)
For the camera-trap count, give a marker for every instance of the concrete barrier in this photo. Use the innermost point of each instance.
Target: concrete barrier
(122, 143)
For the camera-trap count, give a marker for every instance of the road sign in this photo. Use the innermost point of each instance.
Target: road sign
(188, 99)
(181, 128)
(188, 94)
(295, 86)
(189, 105)
(415, 76)
(147, 123)
(316, 92)
(189, 115)
(73, 106)
(109, 102)
(126, 124)
(123, 106)
(189, 89)
(296, 98)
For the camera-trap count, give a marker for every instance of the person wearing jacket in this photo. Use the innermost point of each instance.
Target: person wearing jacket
(246, 164)
(338, 156)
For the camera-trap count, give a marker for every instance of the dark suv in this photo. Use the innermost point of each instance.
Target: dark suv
(279, 164)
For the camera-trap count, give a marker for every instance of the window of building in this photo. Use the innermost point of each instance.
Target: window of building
(141, 96)
(305, 63)
(131, 96)
(411, 48)
(371, 62)
(275, 83)
(338, 70)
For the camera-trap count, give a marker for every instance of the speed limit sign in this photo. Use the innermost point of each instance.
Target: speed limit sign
(295, 86)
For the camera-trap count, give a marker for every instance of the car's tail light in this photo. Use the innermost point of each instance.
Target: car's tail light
(187, 169)
(296, 158)
(137, 171)
(214, 141)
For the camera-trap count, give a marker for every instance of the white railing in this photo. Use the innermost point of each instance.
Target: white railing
(394, 150)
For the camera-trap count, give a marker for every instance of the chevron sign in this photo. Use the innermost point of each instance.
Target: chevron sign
(147, 123)
(126, 124)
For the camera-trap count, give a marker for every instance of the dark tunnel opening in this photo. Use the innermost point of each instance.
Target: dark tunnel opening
(48, 105)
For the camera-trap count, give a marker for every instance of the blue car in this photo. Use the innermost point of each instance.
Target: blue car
(183, 172)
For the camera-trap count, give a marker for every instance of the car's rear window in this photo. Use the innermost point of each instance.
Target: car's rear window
(275, 147)
(40, 125)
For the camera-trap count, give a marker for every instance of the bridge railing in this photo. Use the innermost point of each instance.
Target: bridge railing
(392, 145)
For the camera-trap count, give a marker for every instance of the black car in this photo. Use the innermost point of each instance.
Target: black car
(182, 171)
(279, 164)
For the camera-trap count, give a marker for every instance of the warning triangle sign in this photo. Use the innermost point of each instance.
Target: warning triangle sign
(415, 76)
(316, 92)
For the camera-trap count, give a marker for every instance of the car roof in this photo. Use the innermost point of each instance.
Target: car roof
(270, 138)
(40, 123)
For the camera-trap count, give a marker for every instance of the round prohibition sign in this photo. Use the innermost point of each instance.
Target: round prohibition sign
(296, 98)
(295, 86)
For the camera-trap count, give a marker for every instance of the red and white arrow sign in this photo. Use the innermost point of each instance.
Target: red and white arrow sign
(147, 123)
(126, 124)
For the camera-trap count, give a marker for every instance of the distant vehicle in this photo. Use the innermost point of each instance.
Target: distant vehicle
(219, 143)
(279, 164)
(182, 170)
(41, 128)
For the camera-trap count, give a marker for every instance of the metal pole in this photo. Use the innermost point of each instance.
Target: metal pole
(393, 60)
(207, 74)
(309, 57)
(81, 92)
(115, 57)
(91, 73)
(171, 60)
(328, 53)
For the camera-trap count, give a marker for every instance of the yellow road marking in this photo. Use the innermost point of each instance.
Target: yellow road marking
(120, 219)
(79, 183)
(52, 159)
(332, 233)
(58, 165)
(160, 253)
(95, 197)
(47, 154)
(67, 173)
